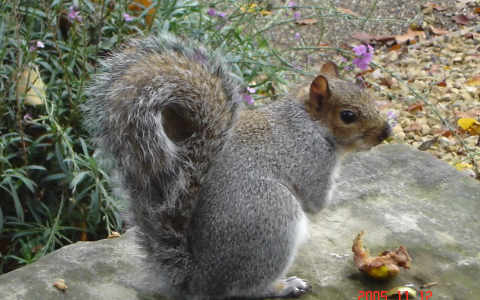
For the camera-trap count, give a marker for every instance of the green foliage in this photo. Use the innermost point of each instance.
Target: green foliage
(52, 189)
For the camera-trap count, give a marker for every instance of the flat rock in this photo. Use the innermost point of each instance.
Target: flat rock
(396, 194)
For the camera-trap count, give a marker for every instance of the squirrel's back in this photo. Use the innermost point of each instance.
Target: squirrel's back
(161, 110)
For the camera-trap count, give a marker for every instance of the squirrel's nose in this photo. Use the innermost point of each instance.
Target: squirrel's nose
(386, 132)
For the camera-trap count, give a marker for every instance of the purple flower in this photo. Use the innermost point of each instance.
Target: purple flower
(74, 15)
(365, 55)
(296, 15)
(127, 17)
(297, 35)
(27, 117)
(249, 99)
(212, 12)
(34, 45)
(392, 118)
(343, 59)
(348, 68)
(291, 4)
(250, 90)
(222, 15)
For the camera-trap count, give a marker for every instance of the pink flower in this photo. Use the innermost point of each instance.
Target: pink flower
(291, 4)
(40, 45)
(343, 59)
(297, 36)
(392, 119)
(34, 45)
(74, 15)
(249, 99)
(222, 15)
(250, 90)
(212, 12)
(296, 15)
(365, 55)
(27, 117)
(127, 17)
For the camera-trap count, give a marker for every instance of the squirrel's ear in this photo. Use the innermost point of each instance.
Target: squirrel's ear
(330, 69)
(319, 92)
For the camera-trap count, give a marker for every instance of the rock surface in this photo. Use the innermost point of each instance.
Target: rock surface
(397, 194)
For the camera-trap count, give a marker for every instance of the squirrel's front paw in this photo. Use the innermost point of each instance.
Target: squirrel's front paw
(291, 287)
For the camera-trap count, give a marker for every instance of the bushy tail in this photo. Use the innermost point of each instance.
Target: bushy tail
(162, 110)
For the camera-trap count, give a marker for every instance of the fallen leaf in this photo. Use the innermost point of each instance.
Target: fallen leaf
(463, 3)
(414, 127)
(439, 31)
(442, 84)
(363, 37)
(323, 44)
(467, 114)
(470, 125)
(410, 36)
(31, 85)
(477, 10)
(471, 34)
(428, 144)
(384, 38)
(347, 11)
(310, 21)
(414, 108)
(437, 7)
(475, 80)
(395, 47)
(461, 19)
(386, 82)
(462, 166)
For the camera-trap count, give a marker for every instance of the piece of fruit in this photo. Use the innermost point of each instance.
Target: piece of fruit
(385, 265)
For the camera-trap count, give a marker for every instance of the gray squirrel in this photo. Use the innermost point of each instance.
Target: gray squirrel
(218, 191)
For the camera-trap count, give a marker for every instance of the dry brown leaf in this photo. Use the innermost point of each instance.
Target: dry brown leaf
(467, 114)
(471, 34)
(347, 11)
(414, 127)
(323, 44)
(477, 10)
(442, 84)
(463, 3)
(410, 36)
(386, 82)
(475, 80)
(439, 31)
(395, 47)
(363, 37)
(428, 144)
(384, 38)
(461, 19)
(310, 21)
(437, 7)
(414, 108)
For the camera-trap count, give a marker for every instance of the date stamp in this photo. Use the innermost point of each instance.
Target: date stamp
(382, 295)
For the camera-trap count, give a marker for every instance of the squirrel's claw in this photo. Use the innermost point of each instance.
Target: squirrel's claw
(291, 287)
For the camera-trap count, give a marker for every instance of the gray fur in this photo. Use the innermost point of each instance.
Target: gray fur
(220, 211)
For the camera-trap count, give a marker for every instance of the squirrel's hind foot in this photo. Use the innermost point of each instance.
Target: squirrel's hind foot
(291, 287)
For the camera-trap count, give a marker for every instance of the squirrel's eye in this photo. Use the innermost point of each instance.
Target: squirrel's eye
(348, 116)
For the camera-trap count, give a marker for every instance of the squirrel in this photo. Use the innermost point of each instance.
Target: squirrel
(219, 192)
